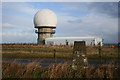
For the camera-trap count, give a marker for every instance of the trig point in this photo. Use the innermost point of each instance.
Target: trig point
(79, 55)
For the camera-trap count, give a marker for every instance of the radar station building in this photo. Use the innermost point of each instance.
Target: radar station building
(45, 21)
(90, 41)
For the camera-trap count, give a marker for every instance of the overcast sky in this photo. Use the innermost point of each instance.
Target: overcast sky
(75, 19)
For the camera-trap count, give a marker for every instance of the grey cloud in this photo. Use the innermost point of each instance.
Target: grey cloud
(108, 8)
(22, 8)
(29, 30)
(89, 25)
(18, 28)
(20, 22)
(75, 21)
(60, 0)
(105, 8)
(9, 37)
(7, 25)
(110, 38)
(119, 37)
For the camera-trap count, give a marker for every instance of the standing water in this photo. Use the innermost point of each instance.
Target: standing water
(48, 62)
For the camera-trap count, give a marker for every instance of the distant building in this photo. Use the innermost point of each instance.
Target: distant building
(90, 41)
(45, 21)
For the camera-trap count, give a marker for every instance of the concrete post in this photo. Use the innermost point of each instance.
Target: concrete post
(79, 55)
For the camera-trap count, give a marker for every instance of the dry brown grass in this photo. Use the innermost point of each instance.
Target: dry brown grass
(46, 51)
(34, 70)
(35, 46)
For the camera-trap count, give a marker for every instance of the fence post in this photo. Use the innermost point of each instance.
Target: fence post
(100, 53)
(79, 55)
(118, 54)
(66, 42)
(54, 56)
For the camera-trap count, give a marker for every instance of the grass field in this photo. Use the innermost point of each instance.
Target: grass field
(34, 70)
(46, 51)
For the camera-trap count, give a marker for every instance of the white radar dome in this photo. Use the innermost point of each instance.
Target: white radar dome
(45, 18)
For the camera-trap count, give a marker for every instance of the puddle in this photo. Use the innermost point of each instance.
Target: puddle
(48, 62)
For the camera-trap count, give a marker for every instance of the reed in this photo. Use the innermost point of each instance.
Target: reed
(34, 70)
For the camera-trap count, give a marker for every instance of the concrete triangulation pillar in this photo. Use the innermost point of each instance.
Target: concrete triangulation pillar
(79, 55)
